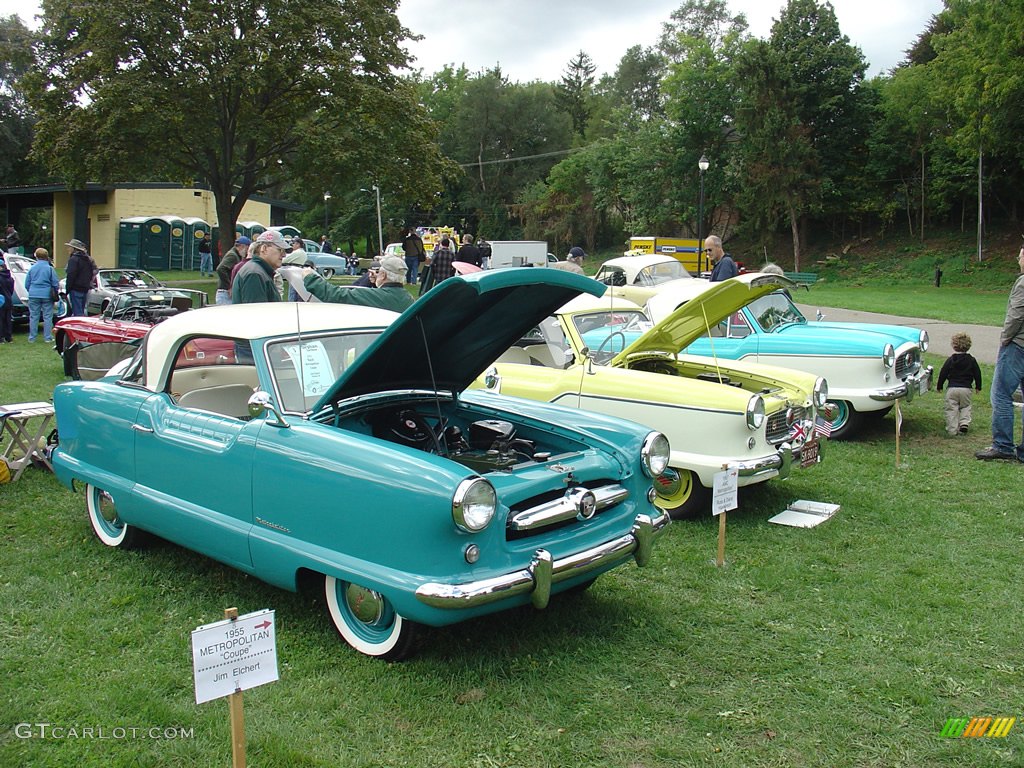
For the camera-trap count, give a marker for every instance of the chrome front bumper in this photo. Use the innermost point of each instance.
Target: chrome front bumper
(914, 385)
(544, 570)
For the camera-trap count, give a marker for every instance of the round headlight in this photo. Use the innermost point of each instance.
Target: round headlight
(473, 504)
(655, 454)
(922, 341)
(755, 412)
(888, 356)
(820, 393)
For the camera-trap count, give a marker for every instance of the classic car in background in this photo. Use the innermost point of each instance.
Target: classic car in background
(336, 446)
(110, 282)
(755, 418)
(328, 264)
(751, 317)
(90, 345)
(637, 278)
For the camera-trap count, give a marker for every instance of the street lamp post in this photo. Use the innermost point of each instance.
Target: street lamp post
(380, 229)
(703, 165)
(327, 198)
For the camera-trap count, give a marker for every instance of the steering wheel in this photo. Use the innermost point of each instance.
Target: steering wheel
(600, 355)
(135, 314)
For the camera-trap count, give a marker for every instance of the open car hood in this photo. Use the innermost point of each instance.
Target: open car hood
(454, 331)
(689, 322)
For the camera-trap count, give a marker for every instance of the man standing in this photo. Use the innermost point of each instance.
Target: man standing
(238, 253)
(254, 281)
(78, 276)
(205, 256)
(468, 252)
(7, 310)
(415, 254)
(724, 267)
(1008, 376)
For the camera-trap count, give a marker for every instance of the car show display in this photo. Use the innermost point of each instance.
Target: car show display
(757, 419)
(336, 445)
(638, 277)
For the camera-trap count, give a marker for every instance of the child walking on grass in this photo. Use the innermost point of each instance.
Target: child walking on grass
(961, 371)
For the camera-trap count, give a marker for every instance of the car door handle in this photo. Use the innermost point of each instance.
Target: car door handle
(140, 428)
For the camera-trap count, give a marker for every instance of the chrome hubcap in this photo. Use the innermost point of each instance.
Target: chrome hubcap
(365, 604)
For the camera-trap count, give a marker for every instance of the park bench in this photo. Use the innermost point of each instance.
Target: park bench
(803, 278)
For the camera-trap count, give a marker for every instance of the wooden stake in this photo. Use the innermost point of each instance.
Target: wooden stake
(721, 540)
(237, 715)
(899, 423)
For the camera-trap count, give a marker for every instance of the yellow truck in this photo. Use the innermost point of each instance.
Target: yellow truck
(685, 250)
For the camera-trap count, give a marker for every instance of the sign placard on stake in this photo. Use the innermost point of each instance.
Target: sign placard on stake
(725, 495)
(234, 655)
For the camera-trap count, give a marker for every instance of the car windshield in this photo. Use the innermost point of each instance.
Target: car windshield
(127, 278)
(608, 333)
(662, 272)
(159, 300)
(774, 311)
(18, 263)
(303, 372)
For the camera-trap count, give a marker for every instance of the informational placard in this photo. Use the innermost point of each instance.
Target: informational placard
(234, 655)
(725, 495)
(312, 366)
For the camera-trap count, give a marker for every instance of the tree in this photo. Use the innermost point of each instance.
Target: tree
(236, 94)
(18, 122)
(575, 91)
(803, 87)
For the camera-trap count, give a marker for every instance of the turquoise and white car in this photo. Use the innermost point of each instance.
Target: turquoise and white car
(752, 318)
(335, 446)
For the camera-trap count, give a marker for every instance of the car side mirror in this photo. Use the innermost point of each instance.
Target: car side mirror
(260, 403)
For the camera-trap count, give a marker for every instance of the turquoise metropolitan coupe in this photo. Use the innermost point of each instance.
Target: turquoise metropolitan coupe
(334, 445)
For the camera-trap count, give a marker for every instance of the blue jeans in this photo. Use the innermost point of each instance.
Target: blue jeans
(412, 263)
(37, 307)
(206, 264)
(1008, 378)
(223, 297)
(77, 299)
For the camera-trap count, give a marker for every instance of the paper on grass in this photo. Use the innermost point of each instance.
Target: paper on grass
(805, 514)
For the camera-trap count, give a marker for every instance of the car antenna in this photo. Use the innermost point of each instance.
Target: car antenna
(437, 397)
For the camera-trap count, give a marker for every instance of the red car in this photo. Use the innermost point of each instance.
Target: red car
(114, 335)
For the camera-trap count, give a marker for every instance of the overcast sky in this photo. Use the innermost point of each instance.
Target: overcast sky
(535, 39)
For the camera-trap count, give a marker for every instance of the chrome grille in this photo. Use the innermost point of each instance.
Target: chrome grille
(908, 363)
(780, 423)
(556, 509)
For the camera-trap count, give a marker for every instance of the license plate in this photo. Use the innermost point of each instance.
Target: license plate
(809, 454)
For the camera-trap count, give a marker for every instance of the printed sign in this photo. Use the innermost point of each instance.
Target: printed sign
(726, 491)
(234, 655)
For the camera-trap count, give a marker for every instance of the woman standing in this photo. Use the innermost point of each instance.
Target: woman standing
(41, 284)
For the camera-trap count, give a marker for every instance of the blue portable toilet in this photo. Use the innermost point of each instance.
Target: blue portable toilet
(147, 243)
(176, 241)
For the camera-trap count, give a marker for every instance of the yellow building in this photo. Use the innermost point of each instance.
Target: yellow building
(93, 214)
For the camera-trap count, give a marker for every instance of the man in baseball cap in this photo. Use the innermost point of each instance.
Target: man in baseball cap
(226, 266)
(389, 293)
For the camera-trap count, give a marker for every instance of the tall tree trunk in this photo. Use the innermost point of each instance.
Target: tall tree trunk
(795, 228)
(921, 228)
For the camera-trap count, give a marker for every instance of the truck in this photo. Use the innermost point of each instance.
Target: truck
(518, 253)
(685, 250)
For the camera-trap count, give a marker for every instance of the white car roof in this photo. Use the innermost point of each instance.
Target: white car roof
(633, 264)
(585, 302)
(256, 321)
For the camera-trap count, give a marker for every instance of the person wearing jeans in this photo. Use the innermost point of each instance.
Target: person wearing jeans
(1008, 377)
(41, 286)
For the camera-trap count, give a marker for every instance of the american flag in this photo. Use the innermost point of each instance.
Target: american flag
(823, 426)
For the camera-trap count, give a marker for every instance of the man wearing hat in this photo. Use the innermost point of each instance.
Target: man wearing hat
(80, 272)
(390, 292)
(254, 281)
(239, 252)
(573, 261)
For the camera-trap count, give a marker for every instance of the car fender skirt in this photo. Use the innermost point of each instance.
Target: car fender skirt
(544, 571)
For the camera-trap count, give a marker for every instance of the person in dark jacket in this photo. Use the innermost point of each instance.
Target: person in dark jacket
(468, 252)
(961, 370)
(240, 252)
(7, 310)
(80, 271)
(724, 267)
(254, 281)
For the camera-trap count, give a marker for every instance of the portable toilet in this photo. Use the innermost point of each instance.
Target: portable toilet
(287, 231)
(129, 243)
(195, 231)
(153, 245)
(176, 240)
(249, 228)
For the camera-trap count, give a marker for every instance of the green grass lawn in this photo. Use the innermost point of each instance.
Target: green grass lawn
(845, 645)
